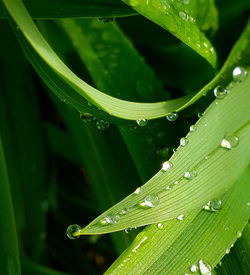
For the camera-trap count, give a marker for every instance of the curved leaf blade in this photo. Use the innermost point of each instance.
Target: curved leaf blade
(223, 167)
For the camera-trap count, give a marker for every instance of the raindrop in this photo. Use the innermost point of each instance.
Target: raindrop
(220, 92)
(239, 74)
(200, 115)
(86, 117)
(73, 231)
(207, 157)
(102, 125)
(229, 142)
(124, 211)
(194, 268)
(172, 117)
(110, 220)
(176, 182)
(205, 269)
(160, 226)
(213, 206)
(184, 15)
(168, 188)
(142, 122)
(150, 201)
(166, 166)
(190, 174)
(183, 141)
(227, 250)
(128, 230)
(248, 203)
(239, 234)
(180, 217)
(138, 190)
(193, 128)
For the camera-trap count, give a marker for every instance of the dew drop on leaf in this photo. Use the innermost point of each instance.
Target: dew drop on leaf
(227, 250)
(160, 226)
(110, 220)
(141, 122)
(239, 74)
(190, 174)
(172, 117)
(184, 141)
(205, 269)
(72, 230)
(138, 190)
(150, 201)
(166, 166)
(239, 234)
(213, 206)
(200, 115)
(193, 128)
(128, 230)
(180, 217)
(220, 92)
(229, 142)
(194, 268)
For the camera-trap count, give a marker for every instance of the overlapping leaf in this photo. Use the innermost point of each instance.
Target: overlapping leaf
(184, 19)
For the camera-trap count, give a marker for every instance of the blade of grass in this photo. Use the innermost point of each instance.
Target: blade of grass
(177, 245)
(9, 260)
(223, 167)
(183, 20)
(47, 9)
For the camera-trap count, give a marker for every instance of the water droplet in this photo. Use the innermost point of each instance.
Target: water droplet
(239, 74)
(194, 268)
(142, 122)
(248, 203)
(200, 115)
(110, 220)
(190, 174)
(150, 201)
(160, 226)
(73, 231)
(86, 117)
(172, 117)
(183, 15)
(220, 92)
(205, 269)
(207, 157)
(229, 142)
(141, 240)
(213, 206)
(227, 250)
(193, 128)
(166, 166)
(183, 141)
(239, 234)
(128, 230)
(180, 217)
(168, 188)
(124, 211)
(176, 182)
(102, 125)
(138, 190)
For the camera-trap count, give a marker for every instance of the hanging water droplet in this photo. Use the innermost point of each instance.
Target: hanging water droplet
(180, 217)
(220, 92)
(227, 250)
(184, 141)
(205, 269)
(150, 201)
(73, 231)
(166, 166)
(194, 268)
(213, 206)
(142, 122)
(102, 125)
(128, 230)
(172, 117)
(193, 128)
(200, 115)
(229, 142)
(110, 220)
(138, 190)
(239, 74)
(190, 174)
(86, 117)
(239, 234)
(160, 226)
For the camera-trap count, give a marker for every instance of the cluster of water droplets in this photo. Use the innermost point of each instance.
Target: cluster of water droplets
(203, 267)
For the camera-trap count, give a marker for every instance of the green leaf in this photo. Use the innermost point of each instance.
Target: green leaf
(185, 20)
(9, 255)
(174, 246)
(74, 91)
(223, 167)
(48, 9)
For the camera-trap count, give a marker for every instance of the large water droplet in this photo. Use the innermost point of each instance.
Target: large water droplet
(128, 230)
(150, 201)
(213, 205)
(102, 125)
(73, 231)
(229, 142)
(142, 122)
(138, 190)
(205, 269)
(239, 234)
(193, 128)
(160, 226)
(220, 92)
(184, 141)
(110, 220)
(190, 174)
(239, 74)
(166, 166)
(194, 268)
(172, 117)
